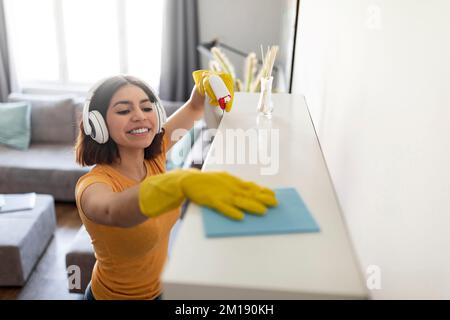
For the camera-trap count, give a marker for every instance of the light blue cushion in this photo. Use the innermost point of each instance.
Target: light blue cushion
(15, 127)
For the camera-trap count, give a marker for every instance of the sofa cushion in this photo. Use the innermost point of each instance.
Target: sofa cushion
(24, 236)
(78, 106)
(43, 168)
(15, 128)
(52, 117)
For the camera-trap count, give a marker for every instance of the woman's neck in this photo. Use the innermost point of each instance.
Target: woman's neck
(131, 164)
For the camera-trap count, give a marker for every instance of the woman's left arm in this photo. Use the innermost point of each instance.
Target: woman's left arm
(185, 117)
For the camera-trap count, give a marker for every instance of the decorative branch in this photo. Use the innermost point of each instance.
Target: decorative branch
(249, 70)
(214, 66)
(251, 83)
(223, 61)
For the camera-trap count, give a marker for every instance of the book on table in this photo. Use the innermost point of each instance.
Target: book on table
(17, 202)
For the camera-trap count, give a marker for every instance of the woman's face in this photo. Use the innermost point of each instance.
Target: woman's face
(131, 118)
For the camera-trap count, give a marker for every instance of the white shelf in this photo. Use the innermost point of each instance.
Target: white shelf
(291, 266)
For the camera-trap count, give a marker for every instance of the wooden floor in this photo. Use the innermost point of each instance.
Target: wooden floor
(48, 280)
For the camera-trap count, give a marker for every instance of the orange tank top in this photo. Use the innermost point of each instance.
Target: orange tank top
(129, 260)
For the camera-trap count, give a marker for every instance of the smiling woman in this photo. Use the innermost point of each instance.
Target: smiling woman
(114, 92)
(127, 202)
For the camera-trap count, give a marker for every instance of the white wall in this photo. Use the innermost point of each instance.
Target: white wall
(245, 25)
(376, 77)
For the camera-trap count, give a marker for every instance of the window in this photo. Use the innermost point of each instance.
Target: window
(70, 44)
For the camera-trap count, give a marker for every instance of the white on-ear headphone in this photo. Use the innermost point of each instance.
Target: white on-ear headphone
(98, 130)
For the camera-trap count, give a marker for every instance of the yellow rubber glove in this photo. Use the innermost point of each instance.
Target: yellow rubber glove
(218, 190)
(161, 193)
(218, 95)
(228, 194)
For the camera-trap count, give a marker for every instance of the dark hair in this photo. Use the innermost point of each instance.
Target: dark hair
(88, 152)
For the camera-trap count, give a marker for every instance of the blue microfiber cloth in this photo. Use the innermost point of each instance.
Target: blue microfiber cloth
(290, 216)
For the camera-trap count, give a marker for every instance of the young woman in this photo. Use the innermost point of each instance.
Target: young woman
(127, 202)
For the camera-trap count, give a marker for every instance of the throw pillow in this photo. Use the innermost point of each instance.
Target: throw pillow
(15, 128)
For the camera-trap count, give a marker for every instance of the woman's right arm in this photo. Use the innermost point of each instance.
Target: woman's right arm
(154, 196)
(119, 209)
(158, 194)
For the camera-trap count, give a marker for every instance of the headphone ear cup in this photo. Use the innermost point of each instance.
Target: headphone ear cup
(100, 131)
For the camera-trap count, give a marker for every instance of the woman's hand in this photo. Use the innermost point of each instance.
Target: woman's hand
(218, 86)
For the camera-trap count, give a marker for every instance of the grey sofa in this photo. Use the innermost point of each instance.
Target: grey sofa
(48, 166)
